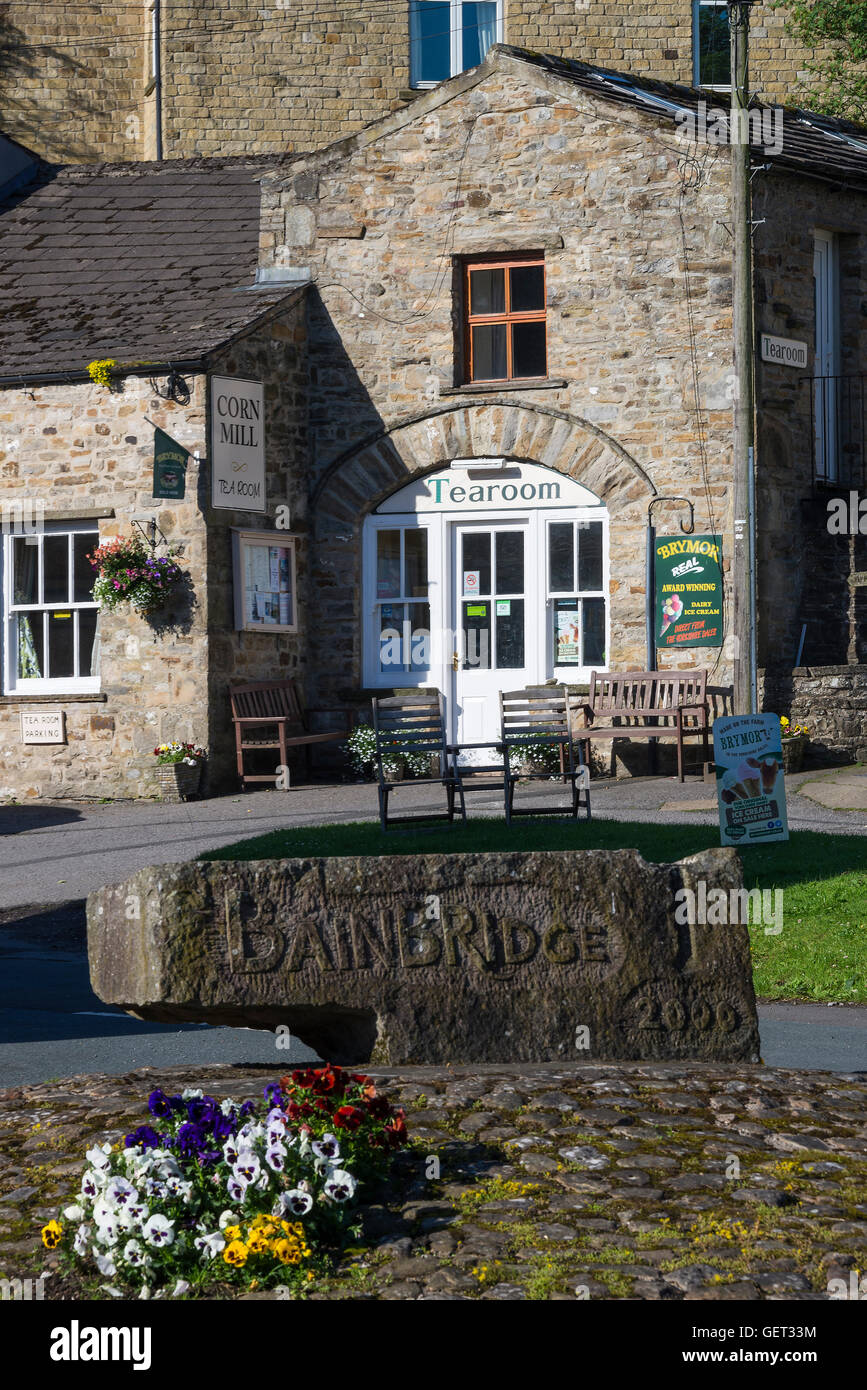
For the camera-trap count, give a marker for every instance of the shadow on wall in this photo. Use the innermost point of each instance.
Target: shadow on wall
(23, 116)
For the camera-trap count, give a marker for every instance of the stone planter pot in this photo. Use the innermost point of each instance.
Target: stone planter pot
(393, 772)
(793, 753)
(177, 781)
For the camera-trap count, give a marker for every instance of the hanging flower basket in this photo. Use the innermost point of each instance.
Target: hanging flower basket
(130, 573)
(179, 770)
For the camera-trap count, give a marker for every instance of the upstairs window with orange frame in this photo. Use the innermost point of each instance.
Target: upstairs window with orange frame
(505, 318)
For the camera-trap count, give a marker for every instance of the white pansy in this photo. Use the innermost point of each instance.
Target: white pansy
(73, 1213)
(228, 1107)
(108, 1232)
(181, 1287)
(211, 1245)
(99, 1156)
(327, 1147)
(276, 1157)
(247, 1167)
(103, 1210)
(120, 1192)
(191, 1095)
(91, 1184)
(231, 1151)
(82, 1236)
(104, 1263)
(248, 1134)
(297, 1202)
(340, 1186)
(135, 1254)
(157, 1230)
(236, 1188)
(227, 1218)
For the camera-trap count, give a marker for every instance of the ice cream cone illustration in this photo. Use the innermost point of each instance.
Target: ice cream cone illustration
(770, 768)
(748, 773)
(671, 611)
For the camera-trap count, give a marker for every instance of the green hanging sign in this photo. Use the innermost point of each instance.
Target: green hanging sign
(170, 466)
(689, 592)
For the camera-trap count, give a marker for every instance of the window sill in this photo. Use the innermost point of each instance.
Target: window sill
(56, 699)
(527, 383)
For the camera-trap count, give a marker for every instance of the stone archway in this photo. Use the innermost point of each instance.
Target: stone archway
(358, 480)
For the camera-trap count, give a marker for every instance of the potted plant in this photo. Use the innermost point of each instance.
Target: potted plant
(179, 769)
(795, 738)
(129, 573)
(397, 761)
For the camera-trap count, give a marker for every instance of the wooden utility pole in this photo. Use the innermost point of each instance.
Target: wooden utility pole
(743, 564)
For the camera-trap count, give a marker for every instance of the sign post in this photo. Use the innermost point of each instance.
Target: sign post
(237, 444)
(751, 788)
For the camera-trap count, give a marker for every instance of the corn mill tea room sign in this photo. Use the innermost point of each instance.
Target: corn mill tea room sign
(237, 444)
(688, 583)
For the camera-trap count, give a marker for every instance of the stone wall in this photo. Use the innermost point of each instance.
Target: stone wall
(382, 221)
(830, 700)
(805, 573)
(294, 76)
(84, 450)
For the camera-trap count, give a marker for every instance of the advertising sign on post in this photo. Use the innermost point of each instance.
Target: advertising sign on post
(689, 592)
(237, 444)
(170, 464)
(751, 789)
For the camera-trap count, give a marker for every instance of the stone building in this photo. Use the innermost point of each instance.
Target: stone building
(133, 79)
(491, 329)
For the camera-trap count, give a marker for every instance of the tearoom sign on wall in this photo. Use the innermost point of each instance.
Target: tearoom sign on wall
(237, 444)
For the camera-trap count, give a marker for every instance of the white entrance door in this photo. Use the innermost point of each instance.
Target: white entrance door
(496, 620)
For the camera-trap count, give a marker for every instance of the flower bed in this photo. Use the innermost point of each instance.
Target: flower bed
(209, 1191)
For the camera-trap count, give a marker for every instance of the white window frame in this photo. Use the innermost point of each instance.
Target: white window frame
(242, 540)
(697, 7)
(455, 33)
(399, 521)
(826, 282)
(13, 684)
(576, 675)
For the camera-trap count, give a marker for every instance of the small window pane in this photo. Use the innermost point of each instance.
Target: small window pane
(476, 654)
(527, 288)
(590, 555)
(714, 44)
(489, 352)
(387, 564)
(477, 557)
(479, 31)
(26, 563)
(55, 559)
(86, 633)
(84, 574)
(594, 631)
(31, 653)
(418, 657)
(487, 292)
(391, 620)
(510, 562)
(510, 636)
(561, 568)
(61, 644)
(528, 349)
(431, 41)
(415, 561)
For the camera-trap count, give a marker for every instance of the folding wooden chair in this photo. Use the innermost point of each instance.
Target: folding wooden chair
(541, 716)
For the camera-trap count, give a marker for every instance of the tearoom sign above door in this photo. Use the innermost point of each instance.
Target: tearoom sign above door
(237, 444)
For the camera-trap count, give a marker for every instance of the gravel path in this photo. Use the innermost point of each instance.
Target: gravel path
(648, 1181)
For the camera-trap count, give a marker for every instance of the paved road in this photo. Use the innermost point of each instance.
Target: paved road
(53, 1025)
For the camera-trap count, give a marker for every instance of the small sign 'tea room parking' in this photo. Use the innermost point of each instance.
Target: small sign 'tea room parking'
(48, 726)
(237, 444)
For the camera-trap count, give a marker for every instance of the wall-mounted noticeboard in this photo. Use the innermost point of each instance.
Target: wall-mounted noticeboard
(264, 580)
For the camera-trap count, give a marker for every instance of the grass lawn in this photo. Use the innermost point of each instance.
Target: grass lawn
(820, 954)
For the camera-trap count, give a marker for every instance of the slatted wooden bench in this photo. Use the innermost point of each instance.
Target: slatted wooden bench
(414, 725)
(276, 707)
(647, 704)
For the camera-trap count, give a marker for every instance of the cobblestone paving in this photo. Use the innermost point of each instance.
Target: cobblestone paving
(655, 1181)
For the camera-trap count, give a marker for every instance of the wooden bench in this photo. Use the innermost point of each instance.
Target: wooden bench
(647, 704)
(414, 725)
(275, 706)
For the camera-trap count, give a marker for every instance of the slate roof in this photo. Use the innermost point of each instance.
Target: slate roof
(814, 145)
(144, 261)
(130, 261)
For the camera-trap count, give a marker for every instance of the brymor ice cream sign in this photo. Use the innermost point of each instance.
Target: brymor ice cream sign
(237, 444)
(476, 485)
